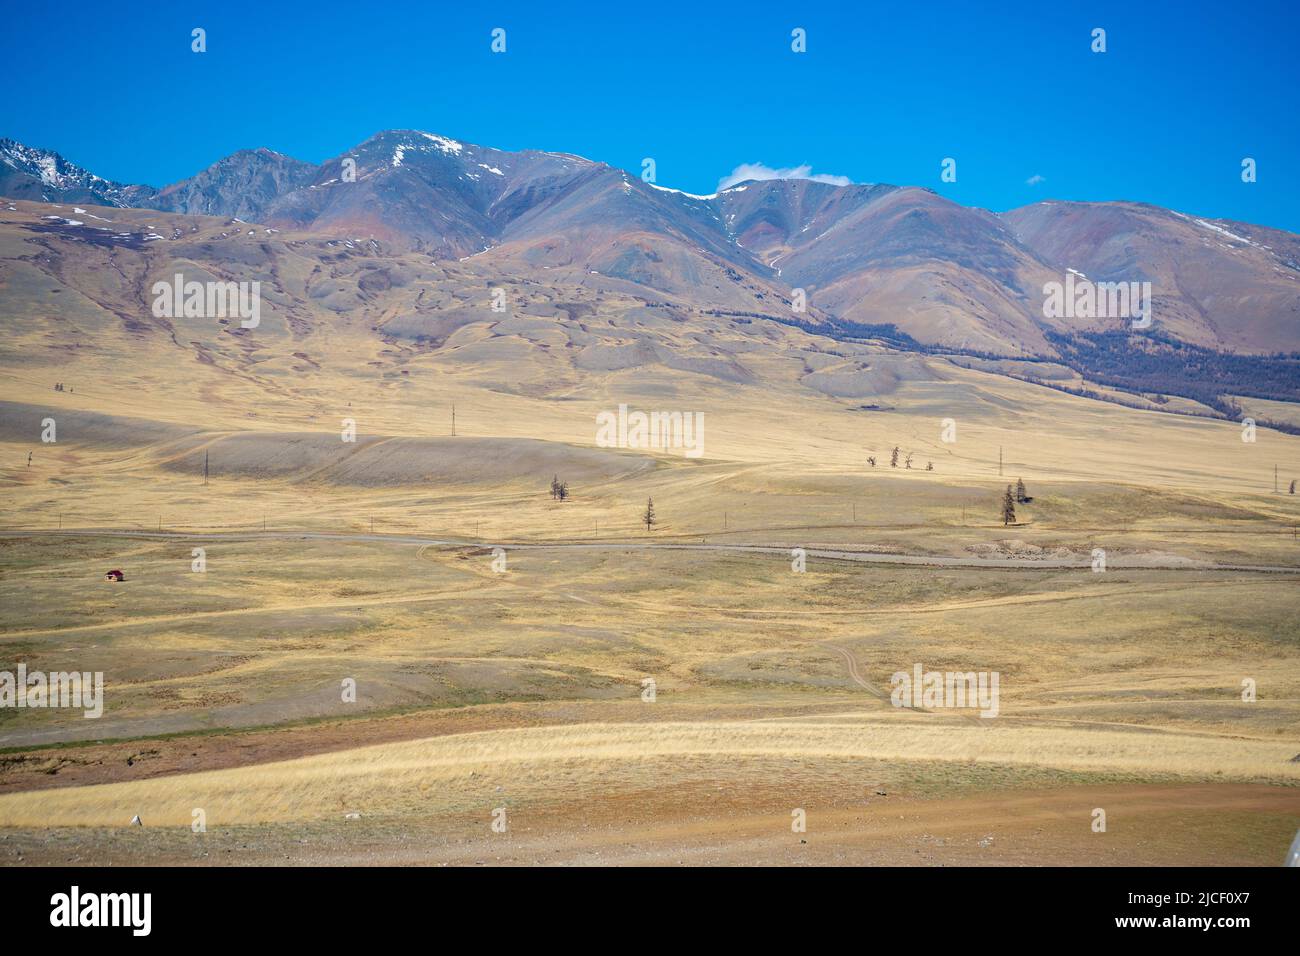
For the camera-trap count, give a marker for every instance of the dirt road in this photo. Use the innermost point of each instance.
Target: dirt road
(867, 557)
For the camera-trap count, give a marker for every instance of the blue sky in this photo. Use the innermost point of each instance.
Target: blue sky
(884, 93)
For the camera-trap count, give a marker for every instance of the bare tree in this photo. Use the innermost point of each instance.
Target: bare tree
(871, 460)
(893, 458)
(563, 491)
(649, 517)
(929, 466)
(1008, 508)
(908, 462)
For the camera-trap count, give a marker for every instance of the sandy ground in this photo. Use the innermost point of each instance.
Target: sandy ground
(1193, 825)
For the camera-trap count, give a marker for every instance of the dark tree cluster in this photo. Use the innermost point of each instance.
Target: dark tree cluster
(893, 459)
(1145, 362)
(1151, 362)
(885, 332)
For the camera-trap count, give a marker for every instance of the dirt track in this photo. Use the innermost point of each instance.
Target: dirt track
(867, 557)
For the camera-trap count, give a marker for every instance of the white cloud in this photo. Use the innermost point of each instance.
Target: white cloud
(758, 171)
(1035, 179)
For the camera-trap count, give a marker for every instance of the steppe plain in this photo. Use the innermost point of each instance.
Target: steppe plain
(479, 690)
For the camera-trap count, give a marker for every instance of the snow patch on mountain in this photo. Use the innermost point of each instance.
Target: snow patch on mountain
(1219, 229)
(444, 144)
(665, 189)
(56, 175)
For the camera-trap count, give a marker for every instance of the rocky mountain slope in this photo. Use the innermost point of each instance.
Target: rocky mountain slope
(946, 275)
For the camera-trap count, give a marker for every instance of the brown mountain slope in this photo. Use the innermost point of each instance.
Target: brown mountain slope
(944, 274)
(1215, 283)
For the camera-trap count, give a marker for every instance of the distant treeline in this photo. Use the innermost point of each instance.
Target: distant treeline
(1145, 363)
(1149, 362)
(844, 330)
(1156, 363)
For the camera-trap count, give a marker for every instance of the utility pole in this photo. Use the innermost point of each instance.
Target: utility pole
(855, 512)
(205, 466)
(453, 419)
(724, 521)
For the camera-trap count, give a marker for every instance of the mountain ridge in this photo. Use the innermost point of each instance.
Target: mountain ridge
(945, 274)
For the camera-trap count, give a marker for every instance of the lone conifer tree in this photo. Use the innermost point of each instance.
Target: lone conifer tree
(555, 487)
(1008, 507)
(1020, 490)
(1292, 486)
(649, 517)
